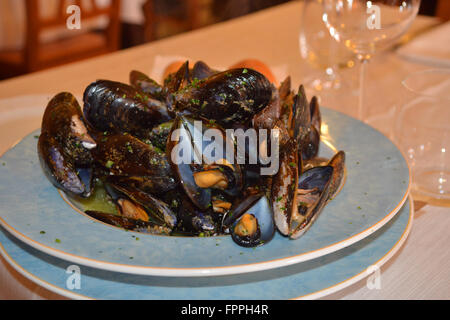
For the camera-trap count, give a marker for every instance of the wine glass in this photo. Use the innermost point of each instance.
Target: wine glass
(366, 27)
(321, 51)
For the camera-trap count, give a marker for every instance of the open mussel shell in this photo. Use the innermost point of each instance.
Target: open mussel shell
(229, 97)
(338, 165)
(129, 223)
(193, 221)
(313, 194)
(201, 71)
(178, 80)
(118, 107)
(199, 160)
(250, 223)
(157, 211)
(147, 85)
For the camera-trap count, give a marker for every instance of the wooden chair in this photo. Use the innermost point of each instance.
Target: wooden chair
(443, 9)
(190, 21)
(36, 55)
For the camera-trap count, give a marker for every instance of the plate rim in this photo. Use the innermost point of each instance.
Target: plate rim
(312, 296)
(218, 270)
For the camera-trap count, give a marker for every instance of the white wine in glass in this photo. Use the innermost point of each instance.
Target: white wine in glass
(366, 27)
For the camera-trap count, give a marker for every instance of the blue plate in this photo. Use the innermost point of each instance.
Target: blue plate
(312, 279)
(377, 185)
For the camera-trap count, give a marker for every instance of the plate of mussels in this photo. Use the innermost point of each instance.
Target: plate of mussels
(207, 173)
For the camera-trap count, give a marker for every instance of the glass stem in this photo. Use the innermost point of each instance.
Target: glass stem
(362, 75)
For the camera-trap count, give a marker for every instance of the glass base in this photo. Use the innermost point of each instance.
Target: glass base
(432, 186)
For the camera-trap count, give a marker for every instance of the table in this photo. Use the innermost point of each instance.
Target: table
(420, 270)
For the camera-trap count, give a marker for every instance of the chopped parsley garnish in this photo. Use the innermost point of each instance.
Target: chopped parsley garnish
(244, 71)
(109, 164)
(57, 241)
(42, 232)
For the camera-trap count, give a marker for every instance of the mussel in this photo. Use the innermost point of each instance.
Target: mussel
(65, 146)
(135, 162)
(147, 85)
(202, 160)
(297, 209)
(129, 223)
(230, 97)
(118, 107)
(250, 222)
(137, 204)
(195, 221)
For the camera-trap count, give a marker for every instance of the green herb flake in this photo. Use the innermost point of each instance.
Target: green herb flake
(137, 238)
(279, 199)
(57, 241)
(36, 137)
(42, 232)
(359, 208)
(109, 164)
(292, 164)
(244, 71)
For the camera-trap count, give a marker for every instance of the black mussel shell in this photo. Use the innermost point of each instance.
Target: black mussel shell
(159, 134)
(338, 164)
(314, 191)
(142, 165)
(129, 223)
(177, 80)
(147, 85)
(192, 221)
(65, 146)
(284, 186)
(259, 207)
(60, 170)
(201, 71)
(229, 97)
(118, 107)
(190, 152)
(63, 121)
(158, 211)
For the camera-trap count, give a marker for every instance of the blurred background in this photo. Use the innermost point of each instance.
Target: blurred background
(35, 34)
